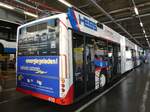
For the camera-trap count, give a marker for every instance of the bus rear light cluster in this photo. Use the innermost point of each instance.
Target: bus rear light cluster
(63, 90)
(63, 80)
(63, 85)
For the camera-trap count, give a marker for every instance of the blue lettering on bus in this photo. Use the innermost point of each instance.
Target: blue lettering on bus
(87, 23)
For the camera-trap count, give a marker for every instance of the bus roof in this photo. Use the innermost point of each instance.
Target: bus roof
(42, 19)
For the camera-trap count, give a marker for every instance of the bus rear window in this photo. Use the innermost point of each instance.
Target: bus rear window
(38, 27)
(39, 39)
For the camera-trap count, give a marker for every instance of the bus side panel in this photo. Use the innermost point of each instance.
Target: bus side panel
(66, 83)
(129, 58)
(123, 56)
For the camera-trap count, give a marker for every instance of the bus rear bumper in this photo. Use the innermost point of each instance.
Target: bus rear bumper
(67, 100)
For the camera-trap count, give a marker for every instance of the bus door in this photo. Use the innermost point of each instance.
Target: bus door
(89, 63)
(114, 59)
(78, 64)
(133, 52)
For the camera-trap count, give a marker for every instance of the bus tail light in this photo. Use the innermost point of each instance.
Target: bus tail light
(62, 80)
(63, 90)
(62, 85)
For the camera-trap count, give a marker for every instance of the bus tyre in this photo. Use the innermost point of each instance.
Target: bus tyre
(103, 80)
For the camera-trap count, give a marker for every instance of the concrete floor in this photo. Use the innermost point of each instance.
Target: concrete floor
(131, 95)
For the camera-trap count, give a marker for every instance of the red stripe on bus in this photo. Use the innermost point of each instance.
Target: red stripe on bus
(67, 100)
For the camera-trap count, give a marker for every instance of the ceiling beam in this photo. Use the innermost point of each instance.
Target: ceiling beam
(142, 27)
(112, 12)
(142, 36)
(127, 18)
(112, 19)
(23, 3)
(84, 6)
(123, 9)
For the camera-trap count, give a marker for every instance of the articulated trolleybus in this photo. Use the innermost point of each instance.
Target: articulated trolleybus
(65, 57)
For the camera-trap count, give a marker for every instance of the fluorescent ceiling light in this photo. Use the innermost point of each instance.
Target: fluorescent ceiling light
(65, 3)
(6, 6)
(30, 14)
(147, 39)
(143, 31)
(141, 24)
(136, 11)
(146, 36)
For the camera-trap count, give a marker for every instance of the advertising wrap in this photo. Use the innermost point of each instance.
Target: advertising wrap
(39, 74)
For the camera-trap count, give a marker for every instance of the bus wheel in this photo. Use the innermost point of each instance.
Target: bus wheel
(102, 80)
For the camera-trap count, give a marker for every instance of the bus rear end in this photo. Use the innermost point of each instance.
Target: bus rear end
(38, 61)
